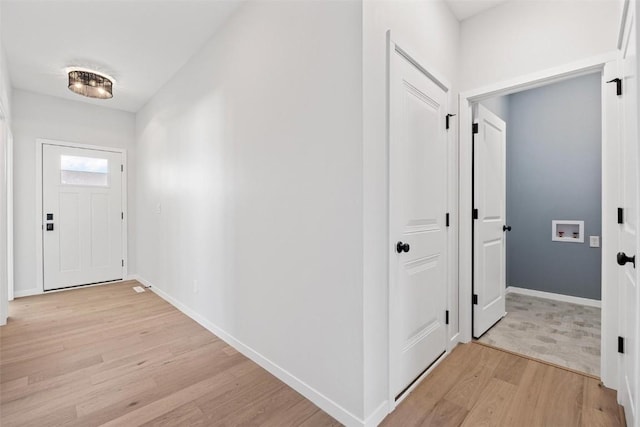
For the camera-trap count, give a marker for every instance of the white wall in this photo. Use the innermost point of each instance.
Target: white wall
(430, 32)
(41, 116)
(249, 192)
(521, 37)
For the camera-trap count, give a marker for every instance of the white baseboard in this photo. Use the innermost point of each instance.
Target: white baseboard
(322, 401)
(26, 293)
(557, 297)
(36, 291)
(378, 415)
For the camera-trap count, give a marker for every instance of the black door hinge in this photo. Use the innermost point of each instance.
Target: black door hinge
(474, 128)
(620, 345)
(446, 317)
(123, 263)
(474, 299)
(448, 116)
(121, 168)
(475, 214)
(618, 83)
(620, 216)
(446, 220)
(122, 216)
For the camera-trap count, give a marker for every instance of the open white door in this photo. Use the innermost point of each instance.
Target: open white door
(628, 283)
(82, 216)
(489, 256)
(418, 208)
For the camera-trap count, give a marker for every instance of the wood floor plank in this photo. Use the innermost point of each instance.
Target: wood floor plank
(561, 399)
(599, 406)
(185, 415)
(511, 369)
(492, 407)
(497, 388)
(445, 413)
(470, 386)
(107, 355)
(525, 399)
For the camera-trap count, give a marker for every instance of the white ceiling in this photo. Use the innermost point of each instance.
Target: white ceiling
(464, 9)
(141, 43)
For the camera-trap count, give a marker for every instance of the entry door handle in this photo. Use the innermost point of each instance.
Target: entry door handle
(402, 247)
(622, 259)
(506, 228)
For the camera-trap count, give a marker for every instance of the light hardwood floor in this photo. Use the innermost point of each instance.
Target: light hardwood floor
(109, 356)
(106, 355)
(482, 386)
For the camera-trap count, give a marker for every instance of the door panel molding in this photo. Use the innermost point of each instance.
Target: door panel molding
(38, 223)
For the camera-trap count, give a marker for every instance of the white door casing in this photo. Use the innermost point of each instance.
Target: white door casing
(489, 255)
(4, 211)
(629, 326)
(418, 205)
(85, 245)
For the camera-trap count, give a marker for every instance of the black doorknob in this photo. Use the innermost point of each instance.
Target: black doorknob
(622, 259)
(506, 228)
(402, 247)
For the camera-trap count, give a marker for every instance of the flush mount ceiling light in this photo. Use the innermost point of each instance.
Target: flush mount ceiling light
(90, 84)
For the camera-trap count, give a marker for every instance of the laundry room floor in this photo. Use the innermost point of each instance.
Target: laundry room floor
(562, 333)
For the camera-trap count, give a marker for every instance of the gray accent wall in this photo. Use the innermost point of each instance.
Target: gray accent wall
(554, 172)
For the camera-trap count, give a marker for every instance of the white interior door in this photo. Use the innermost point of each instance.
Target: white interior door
(489, 255)
(418, 207)
(82, 216)
(628, 231)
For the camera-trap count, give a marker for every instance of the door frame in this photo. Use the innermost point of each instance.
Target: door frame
(6, 218)
(38, 218)
(394, 43)
(610, 137)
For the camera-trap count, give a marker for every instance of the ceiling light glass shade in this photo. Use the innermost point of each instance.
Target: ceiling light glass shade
(90, 84)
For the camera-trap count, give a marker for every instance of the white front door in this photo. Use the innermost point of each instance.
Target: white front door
(418, 208)
(82, 216)
(629, 327)
(489, 256)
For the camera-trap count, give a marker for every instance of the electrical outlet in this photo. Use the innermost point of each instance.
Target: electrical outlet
(195, 287)
(594, 241)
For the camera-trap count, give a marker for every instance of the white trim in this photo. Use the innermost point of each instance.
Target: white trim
(38, 220)
(609, 368)
(623, 20)
(378, 415)
(556, 297)
(322, 401)
(27, 293)
(10, 222)
(36, 291)
(421, 63)
(540, 78)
